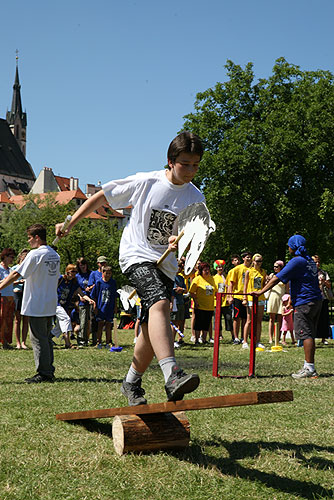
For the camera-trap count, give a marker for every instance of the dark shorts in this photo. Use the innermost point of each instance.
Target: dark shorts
(18, 300)
(202, 320)
(152, 285)
(239, 310)
(306, 319)
(178, 315)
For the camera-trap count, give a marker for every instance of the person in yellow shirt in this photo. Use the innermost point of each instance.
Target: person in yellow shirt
(203, 290)
(236, 285)
(255, 279)
(222, 284)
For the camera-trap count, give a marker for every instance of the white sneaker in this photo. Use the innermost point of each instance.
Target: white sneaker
(245, 345)
(176, 345)
(192, 338)
(200, 340)
(211, 341)
(135, 340)
(261, 346)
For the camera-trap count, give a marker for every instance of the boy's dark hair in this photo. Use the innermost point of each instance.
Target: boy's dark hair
(37, 230)
(244, 253)
(106, 268)
(235, 256)
(202, 266)
(186, 142)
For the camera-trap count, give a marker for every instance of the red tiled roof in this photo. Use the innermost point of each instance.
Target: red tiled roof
(4, 198)
(63, 183)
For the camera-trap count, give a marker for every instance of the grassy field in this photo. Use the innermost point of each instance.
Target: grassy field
(278, 451)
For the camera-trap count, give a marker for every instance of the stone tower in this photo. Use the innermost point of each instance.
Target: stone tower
(16, 119)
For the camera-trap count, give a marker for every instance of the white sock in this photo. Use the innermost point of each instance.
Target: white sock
(309, 366)
(167, 365)
(133, 376)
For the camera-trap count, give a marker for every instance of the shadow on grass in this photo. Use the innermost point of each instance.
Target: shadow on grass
(93, 425)
(239, 450)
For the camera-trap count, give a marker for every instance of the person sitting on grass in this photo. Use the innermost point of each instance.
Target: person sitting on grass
(157, 198)
(105, 306)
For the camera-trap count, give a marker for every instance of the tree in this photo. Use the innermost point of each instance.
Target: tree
(268, 162)
(89, 238)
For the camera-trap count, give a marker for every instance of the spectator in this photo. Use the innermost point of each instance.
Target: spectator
(287, 318)
(82, 278)
(274, 305)
(255, 279)
(236, 285)
(104, 296)
(40, 270)
(18, 295)
(203, 289)
(7, 304)
(178, 316)
(94, 276)
(221, 283)
(323, 329)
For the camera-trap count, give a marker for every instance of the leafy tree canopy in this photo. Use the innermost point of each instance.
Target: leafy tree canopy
(267, 171)
(89, 238)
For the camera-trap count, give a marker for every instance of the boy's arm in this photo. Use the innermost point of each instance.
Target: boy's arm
(90, 205)
(13, 276)
(245, 287)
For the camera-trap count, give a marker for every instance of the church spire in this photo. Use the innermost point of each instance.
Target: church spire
(16, 119)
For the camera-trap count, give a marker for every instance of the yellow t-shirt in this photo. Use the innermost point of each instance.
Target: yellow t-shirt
(205, 290)
(221, 286)
(256, 282)
(238, 278)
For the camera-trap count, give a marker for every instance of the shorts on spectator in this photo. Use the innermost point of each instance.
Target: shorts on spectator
(202, 319)
(151, 284)
(63, 322)
(259, 303)
(178, 315)
(306, 318)
(239, 310)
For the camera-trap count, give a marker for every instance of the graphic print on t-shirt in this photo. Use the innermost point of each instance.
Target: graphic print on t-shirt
(160, 227)
(257, 282)
(105, 296)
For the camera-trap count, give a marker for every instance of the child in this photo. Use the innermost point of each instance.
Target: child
(157, 198)
(104, 297)
(287, 318)
(67, 288)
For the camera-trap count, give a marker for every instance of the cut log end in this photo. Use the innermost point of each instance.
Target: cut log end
(136, 433)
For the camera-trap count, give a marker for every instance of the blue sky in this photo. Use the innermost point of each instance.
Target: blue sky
(106, 83)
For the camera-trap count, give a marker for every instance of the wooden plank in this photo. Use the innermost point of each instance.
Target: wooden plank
(243, 399)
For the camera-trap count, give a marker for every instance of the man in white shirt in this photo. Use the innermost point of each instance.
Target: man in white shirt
(40, 269)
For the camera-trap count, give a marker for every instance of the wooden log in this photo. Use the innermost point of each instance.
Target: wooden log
(159, 431)
(245, 398)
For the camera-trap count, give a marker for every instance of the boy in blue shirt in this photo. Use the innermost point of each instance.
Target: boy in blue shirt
(104, 295)
(302, 273)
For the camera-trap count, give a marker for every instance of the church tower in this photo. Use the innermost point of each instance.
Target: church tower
(16, 119)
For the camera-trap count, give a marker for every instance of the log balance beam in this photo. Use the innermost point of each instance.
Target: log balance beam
(164, 425)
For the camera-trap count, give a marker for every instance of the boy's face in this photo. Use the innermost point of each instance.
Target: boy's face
(247, 260)
(184, 169)
(106, 275)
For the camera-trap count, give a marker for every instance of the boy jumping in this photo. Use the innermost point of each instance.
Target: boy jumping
(157, 198)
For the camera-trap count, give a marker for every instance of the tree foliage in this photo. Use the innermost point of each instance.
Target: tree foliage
(89, 238)
(267, 171)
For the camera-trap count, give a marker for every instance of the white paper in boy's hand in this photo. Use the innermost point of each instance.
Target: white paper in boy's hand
(124, 294)
(196, 223)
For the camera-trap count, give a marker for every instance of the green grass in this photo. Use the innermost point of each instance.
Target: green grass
(278, 451)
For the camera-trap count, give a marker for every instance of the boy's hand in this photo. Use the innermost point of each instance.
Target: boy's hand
(59, 232)
(172, 247)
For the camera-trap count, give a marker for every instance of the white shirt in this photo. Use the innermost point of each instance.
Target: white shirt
(156, 203)
(40, 269)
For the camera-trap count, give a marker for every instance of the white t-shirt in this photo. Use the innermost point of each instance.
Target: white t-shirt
(156, 203)
(40, 269)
